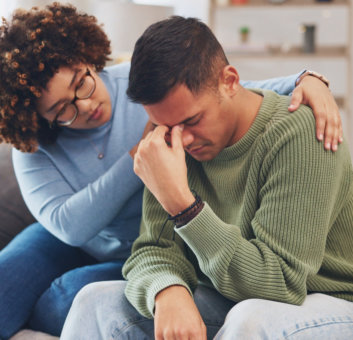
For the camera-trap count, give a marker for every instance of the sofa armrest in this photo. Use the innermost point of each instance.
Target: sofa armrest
(14, 215)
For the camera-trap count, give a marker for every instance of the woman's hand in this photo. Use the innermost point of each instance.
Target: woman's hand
(313, 92)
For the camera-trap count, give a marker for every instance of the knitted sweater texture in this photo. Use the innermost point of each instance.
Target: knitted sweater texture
(277, 222)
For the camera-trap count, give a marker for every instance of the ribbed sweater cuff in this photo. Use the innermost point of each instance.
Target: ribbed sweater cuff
(206, 234)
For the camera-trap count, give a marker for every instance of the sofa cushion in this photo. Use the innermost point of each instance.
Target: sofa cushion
(14, 215)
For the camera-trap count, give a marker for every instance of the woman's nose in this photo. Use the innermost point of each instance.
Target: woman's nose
(84, 106)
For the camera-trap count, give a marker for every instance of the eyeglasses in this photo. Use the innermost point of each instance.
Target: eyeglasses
(84, 90)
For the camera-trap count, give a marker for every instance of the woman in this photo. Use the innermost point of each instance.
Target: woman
(75, 133)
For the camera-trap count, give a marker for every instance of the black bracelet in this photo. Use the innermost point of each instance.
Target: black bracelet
(184, 216)
(189, 213)
(197, 198)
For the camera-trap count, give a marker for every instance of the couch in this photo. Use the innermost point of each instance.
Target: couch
(14, 215)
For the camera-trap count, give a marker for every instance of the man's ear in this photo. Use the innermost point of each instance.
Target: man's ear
(229, 79)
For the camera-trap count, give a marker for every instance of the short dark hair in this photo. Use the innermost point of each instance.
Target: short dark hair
(33, 46)
(174, 51)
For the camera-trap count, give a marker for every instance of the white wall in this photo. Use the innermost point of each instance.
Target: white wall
(188, 8)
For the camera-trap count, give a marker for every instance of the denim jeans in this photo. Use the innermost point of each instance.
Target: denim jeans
(100, 311)
(321, 317)
(40, 276)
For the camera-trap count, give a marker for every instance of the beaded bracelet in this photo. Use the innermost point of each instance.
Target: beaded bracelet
(189, 213)
(184, 216)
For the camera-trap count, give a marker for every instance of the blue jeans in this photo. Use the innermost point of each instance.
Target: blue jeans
(320, 317)
(39, 278)
(100, 311)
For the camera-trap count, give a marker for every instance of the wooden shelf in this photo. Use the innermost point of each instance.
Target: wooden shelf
(293, 52)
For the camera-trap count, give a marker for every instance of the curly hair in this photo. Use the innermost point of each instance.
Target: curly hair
(33, 46)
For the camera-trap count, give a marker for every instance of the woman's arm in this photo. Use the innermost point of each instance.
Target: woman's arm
(74, 216)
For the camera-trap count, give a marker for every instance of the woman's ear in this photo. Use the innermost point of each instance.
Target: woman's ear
(229, 79)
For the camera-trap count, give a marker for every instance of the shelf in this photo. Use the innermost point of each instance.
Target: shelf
(293, 52)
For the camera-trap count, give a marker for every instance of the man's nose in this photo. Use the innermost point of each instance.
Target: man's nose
(187, 137)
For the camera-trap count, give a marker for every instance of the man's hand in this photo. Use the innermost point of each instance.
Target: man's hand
(313, 92)
(177, 317)
(163, 169)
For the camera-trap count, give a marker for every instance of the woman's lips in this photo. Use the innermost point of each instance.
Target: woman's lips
(97, 113)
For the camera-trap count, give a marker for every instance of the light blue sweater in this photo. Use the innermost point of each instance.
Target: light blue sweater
(91, 203)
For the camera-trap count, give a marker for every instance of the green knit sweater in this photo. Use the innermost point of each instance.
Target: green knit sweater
(277, 222)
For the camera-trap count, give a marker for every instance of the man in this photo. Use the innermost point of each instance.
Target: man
(256, 212)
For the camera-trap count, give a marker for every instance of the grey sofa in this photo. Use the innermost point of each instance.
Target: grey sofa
(14, 215)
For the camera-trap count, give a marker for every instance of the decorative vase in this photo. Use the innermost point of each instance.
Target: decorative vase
(309, 38)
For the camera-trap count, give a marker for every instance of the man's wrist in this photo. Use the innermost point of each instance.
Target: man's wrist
(189, 213)
(179, 202)
(167, 291)
(311, 73)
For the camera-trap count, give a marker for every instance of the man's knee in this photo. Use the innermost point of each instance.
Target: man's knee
(96, 294)
(102, 308)
(248, 319)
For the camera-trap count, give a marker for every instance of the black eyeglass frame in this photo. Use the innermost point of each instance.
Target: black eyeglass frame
(55, 122)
